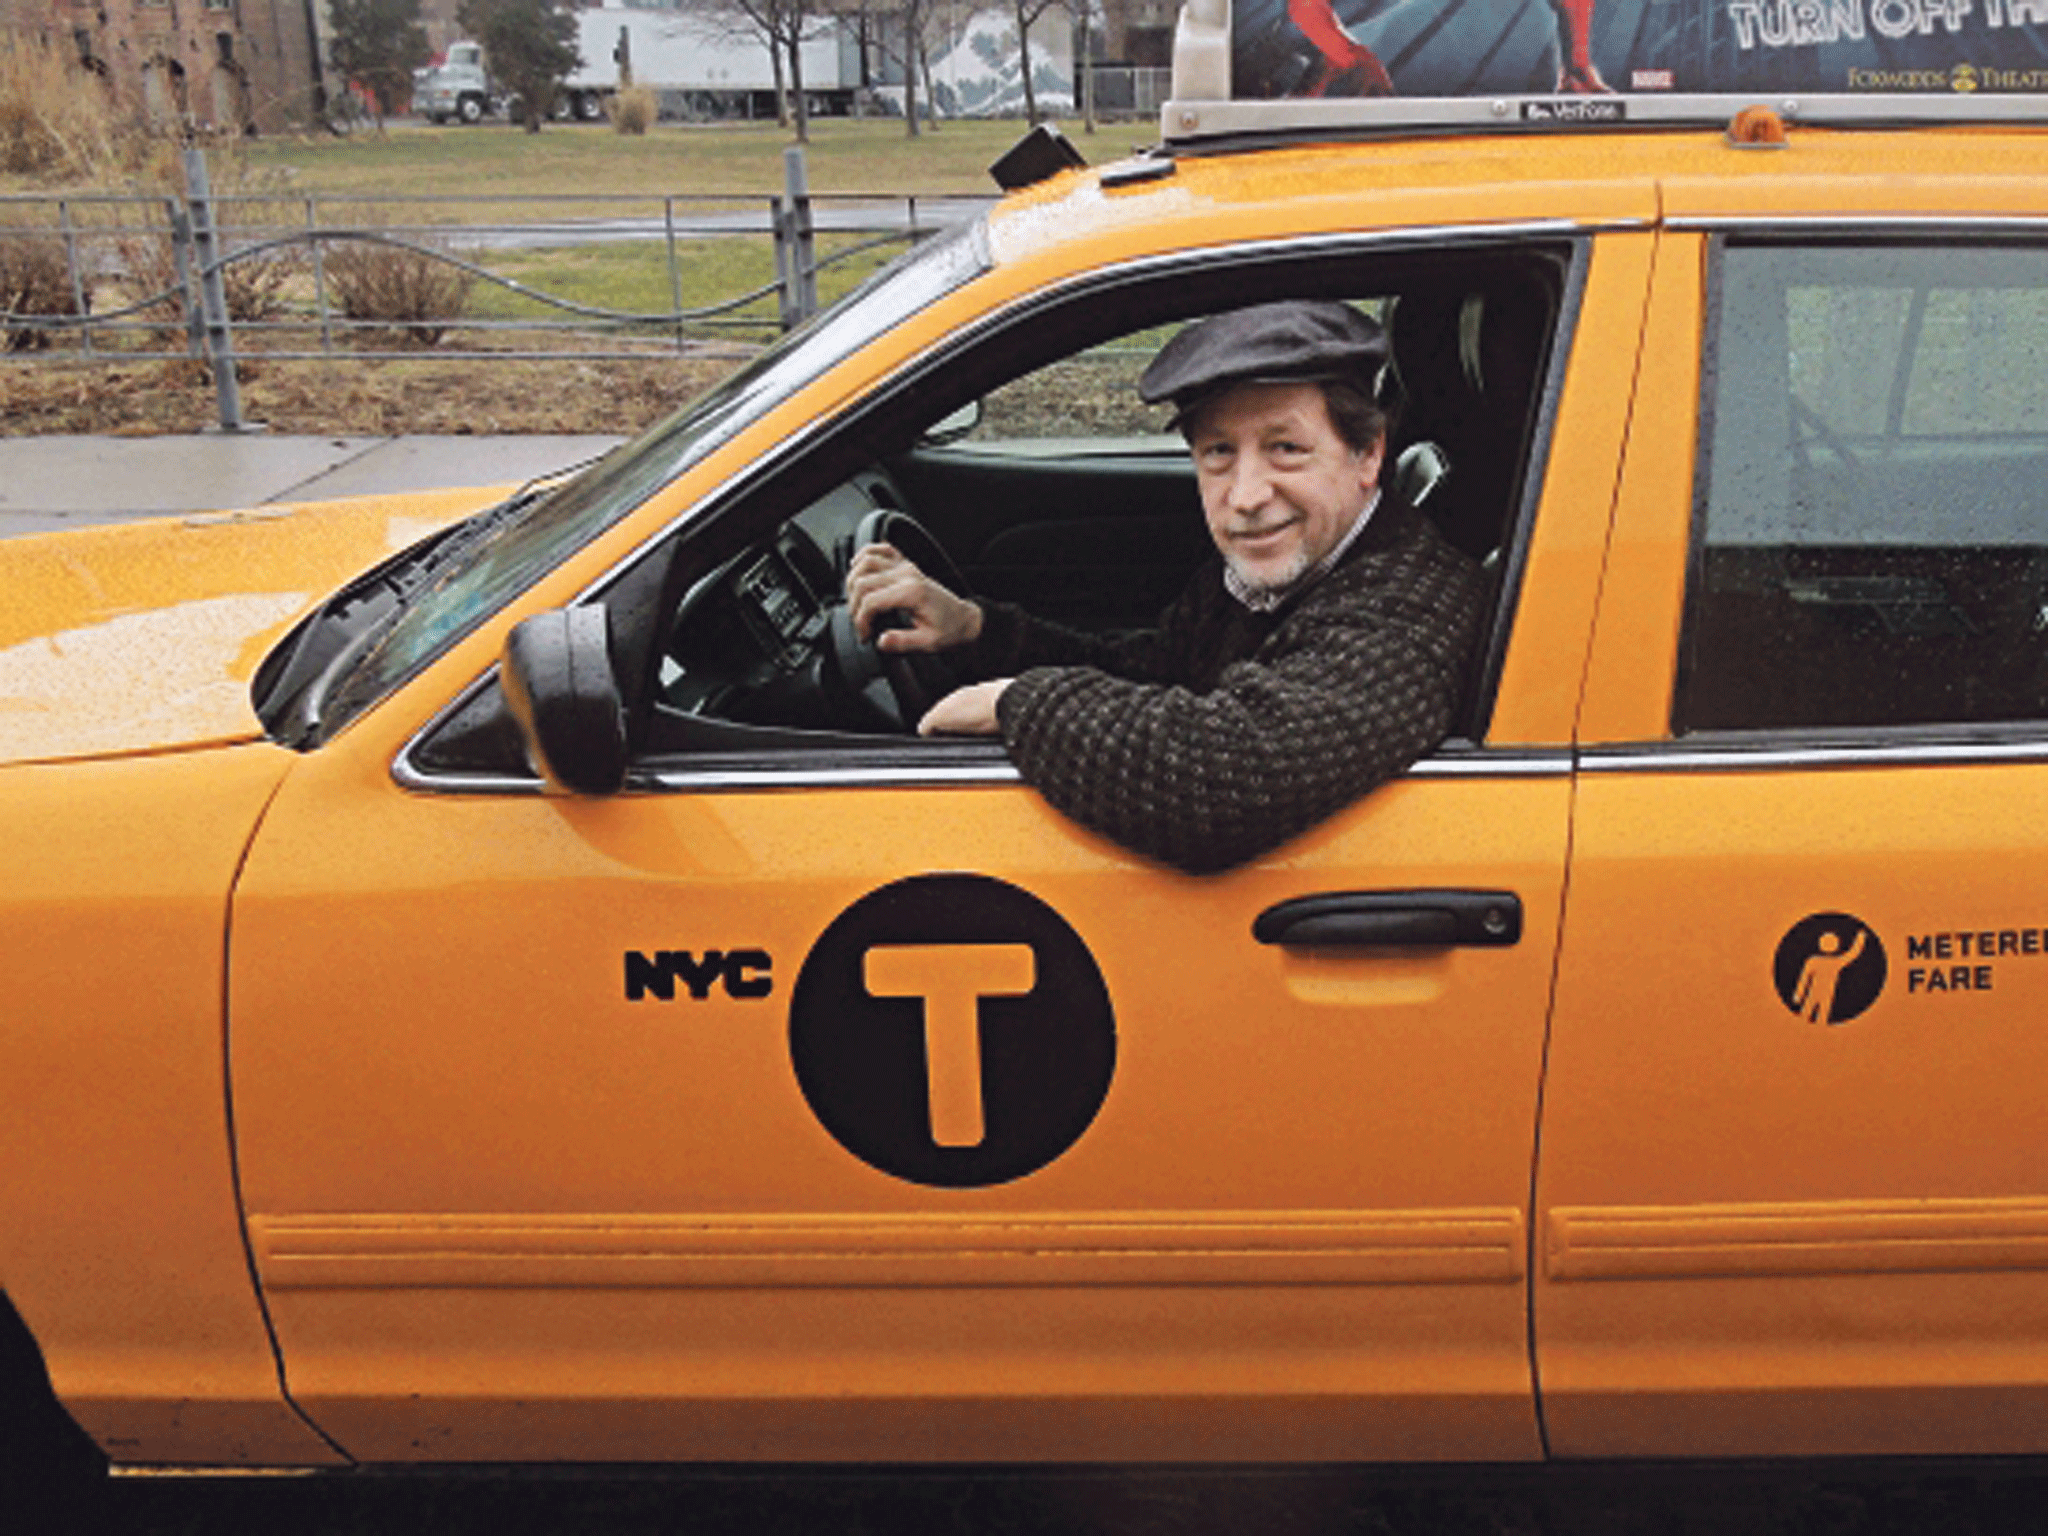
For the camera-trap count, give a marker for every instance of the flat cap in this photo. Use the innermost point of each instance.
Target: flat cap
(1294, 340)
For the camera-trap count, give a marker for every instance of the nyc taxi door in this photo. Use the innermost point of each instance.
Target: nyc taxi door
(1793, 1193)
(849, 1117)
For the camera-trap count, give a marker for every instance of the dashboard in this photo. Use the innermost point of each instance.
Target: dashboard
(750, 642)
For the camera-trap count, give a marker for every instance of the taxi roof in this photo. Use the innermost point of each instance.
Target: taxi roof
(1260, 69)
(1306, 185)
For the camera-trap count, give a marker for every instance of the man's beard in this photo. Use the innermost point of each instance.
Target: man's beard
(1269, 581)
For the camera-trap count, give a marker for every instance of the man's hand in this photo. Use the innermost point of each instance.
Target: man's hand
(969, 711)
(881, 581)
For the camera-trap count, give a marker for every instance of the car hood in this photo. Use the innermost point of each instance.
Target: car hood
(143, 636)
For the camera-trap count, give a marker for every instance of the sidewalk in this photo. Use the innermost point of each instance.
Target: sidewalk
(51, 483)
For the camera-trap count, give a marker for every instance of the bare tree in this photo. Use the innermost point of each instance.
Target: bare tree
(1027, 13)
(911, 48)
(783, 27)
(1088, 13)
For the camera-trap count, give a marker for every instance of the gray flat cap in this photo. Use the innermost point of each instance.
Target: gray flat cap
(1295, 340)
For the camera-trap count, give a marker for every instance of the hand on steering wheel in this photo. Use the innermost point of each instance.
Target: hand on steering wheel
(897, 683)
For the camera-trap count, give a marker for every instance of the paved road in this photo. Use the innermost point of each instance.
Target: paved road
(1814, 1500)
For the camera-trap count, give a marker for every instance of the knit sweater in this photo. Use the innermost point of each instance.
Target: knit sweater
(1222, 733)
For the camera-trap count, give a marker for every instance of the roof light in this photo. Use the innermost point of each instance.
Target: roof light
(1757, 128)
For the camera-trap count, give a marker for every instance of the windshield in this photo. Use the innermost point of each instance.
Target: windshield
(495, 569)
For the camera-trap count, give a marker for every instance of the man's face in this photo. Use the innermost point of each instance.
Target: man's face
(1279, 486)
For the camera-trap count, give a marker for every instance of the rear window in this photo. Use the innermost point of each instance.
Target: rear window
(1871, 535)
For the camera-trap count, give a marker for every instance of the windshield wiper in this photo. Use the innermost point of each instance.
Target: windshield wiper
(296, 675)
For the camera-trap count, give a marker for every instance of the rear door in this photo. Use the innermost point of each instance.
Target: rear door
(1794, 1181)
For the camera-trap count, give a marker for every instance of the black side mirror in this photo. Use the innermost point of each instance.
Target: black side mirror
(560, 687)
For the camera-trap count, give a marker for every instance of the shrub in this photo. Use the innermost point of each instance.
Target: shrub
(257, 286)
(59, 120)
(412, 293)
(633, 110)
(35, 279)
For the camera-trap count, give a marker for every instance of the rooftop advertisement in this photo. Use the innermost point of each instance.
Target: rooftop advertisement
(1599, 51)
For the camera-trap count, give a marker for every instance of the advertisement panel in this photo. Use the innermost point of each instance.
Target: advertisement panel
(1614, 49)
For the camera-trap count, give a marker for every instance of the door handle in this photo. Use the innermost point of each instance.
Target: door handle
(1394, 920)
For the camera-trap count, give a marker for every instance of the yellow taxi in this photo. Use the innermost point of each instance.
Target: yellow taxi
(537, 1003)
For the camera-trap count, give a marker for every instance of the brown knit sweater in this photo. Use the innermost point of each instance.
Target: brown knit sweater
(1222, 733)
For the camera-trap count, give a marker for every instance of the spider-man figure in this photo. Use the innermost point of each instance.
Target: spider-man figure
(1343, 66)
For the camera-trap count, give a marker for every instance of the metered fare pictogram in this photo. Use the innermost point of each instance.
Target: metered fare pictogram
(1830, 967)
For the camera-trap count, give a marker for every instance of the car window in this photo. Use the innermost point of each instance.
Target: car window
(1091, 395)
(1068, 495)
(1871, 543)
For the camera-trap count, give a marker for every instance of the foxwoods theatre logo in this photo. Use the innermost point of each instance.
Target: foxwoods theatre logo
(1809, 23)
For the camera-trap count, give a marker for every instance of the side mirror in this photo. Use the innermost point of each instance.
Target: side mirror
(560, 686)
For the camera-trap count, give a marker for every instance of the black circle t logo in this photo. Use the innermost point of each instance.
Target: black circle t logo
(1829, 967)
(952, 1030)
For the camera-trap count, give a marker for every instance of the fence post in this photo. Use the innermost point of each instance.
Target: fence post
(785, 284)
(319, 280)
(78, 303)
(220, 340)
(181, 259)
(803, 260)
(675, 276)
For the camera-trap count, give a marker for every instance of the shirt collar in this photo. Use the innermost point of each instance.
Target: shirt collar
(1266, 599)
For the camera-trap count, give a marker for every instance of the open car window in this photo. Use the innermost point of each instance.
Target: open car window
(1064, 493)
(1070, 497)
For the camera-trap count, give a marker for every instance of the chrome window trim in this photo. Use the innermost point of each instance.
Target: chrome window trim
(1656, 757)
(1460, 763)
(819, 771)
(819, 775)
(1863, 225)
(1306, 247)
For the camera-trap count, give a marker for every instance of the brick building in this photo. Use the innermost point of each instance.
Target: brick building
(247, 64)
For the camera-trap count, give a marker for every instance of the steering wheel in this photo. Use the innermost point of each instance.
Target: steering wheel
(895, 687)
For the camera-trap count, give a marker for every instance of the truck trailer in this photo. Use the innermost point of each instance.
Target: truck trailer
(697, 65)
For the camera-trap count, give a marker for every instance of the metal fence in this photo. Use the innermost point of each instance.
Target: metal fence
(208, 276)
(1126, 90)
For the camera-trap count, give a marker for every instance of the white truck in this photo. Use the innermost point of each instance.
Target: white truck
(698, 65)
(457, 89)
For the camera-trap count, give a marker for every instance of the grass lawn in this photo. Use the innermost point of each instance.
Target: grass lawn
(270, 181)
(844, 155)
(635, 277)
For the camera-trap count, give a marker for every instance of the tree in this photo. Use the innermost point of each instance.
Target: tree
(1089, 14)
(532, 48)
(782, 26)
(377, 45)
(1027, 13)
(912, 49)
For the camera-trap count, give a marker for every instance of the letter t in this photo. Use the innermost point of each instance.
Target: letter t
(951, 980)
